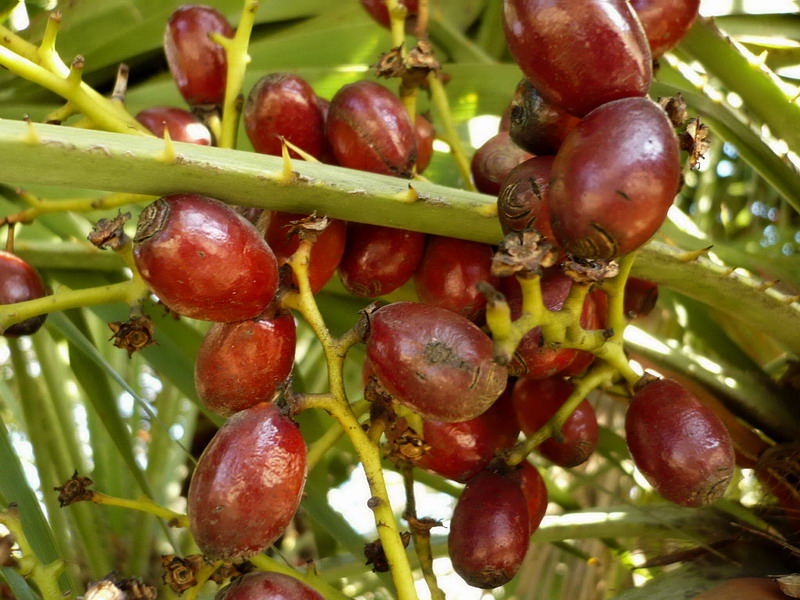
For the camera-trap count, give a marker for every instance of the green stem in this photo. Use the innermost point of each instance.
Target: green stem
(264, 563)
(318, 449)
(43, 207)
(442, 104)
(145, 505)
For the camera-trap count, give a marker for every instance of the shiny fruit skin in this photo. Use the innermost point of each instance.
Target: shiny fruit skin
(665, 22)
(493, 161)
(242, 364)
(489, 530)
(535, 492)
(640, 297)
(198, 64)
(425, 135)
(614, 179)
(203, 260)
(325, 254)
(579, 57)
(459, 451)
(368, 129)
(448, 273)
(377, 260)
(182, 125)
(537, 400)
(434, 361)
(261, 585)
(680, 446)
(284, 105)
(536, 125)
(247, 484)
(20, 282)
(378, 11)
(523, 199)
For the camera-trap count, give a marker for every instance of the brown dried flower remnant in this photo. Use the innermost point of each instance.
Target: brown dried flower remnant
(112, 587)
(180, 573)
(675, 107)
(6, 546)
(696, 140)
(407, 447)
(225, 571)
(75, 490)
(134, 334)
(523, 253)
(585, 270)
(308, 228)
(413, 68)
(109, 233)
(377, 557)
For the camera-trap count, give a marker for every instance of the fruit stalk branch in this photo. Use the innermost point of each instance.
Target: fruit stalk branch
(337, 405)
(238, 59)
(45, 576)
(142, 504)
(42, 207)
(442, 104)
(326, 441)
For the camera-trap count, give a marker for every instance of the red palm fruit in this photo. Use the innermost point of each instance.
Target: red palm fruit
(378, 11)
(535, 124)
(579, 57)
(284, 105)
(640, 297)
(448, 273)
(325, 254)
(434, 361)
(522, 202)
(204, 260)
(665, 22)
(489, 530)
(327, 153)
(247, 484)
(182, 125)
(368, 129)
(537, 400)
(459, 451)
(505, 120)
(425, 134)
(20, 282)
(681, 447)
(535, 492)
(198, 64)
(601, 302)
(493, 161)
(614, 179)
(532, 359)
(242, 364)
(260, 585)
(378, 260)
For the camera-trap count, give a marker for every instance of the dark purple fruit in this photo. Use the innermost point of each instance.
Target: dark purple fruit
(489, 531)
(614, 179)
(665, 22)
(523, 200)
(247, 484)
(267, 586)
(681, 447)
(368, 129)
(182, 125)
(640, 297)
(434, 361)
(535, 491)
(579, 57)
(242, 364)
(204, 260)
(284, 105)
(198, 64)
(20, 282)
(493, 161)
(536, 125)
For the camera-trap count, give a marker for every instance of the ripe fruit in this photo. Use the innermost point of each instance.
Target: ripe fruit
(493, 161)
(242, 364)
(537, 400)
(203, 260)
(425, 135)
(522, 202)
(460, 451)
(378, 260)
(183, 126)
(247, 484)
(535, 492)
(680, 446)
(284, 105)
(369, 130)
(434, 361)
(614, 179)
(579, 58)
(325, 254)
(448, 273)
(267, 586)
(377, 9)
(489, 531)
(535, 124)
(640, 297)
(198, 64)
(665, 22)
(20, 282)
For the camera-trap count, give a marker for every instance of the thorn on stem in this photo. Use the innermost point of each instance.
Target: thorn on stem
(694, 254)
